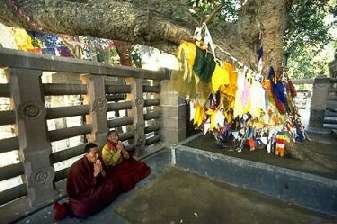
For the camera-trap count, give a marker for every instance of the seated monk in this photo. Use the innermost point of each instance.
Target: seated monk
(89, 188)
(124, 167)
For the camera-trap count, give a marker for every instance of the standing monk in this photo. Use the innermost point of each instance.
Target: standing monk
(124, 167)
(89, 188)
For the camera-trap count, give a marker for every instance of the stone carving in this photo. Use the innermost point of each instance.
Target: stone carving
(30, 110)
(41, 177)
(140, 141)
(139, 101)
(100, 104)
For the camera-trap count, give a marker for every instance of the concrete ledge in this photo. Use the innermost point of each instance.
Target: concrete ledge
(303, 189)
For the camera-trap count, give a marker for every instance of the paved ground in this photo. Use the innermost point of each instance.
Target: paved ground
(172, 196)
(181, 197)
(324, 147)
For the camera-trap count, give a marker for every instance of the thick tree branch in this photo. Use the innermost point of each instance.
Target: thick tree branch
(159, 23)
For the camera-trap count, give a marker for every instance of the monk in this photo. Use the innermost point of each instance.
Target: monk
(89, 188)
(124, 167)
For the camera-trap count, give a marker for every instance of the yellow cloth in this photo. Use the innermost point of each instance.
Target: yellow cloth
(233, 77)
(238, 109)
(183, 87)
(212, 113)
(220, 77)
(202, 90)
(230, 89)
(22, 39)
(185, 81)
(111, 157)
(199, 115)
(186, 56)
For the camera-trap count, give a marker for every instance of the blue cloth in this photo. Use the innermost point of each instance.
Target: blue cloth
(259, 53)
(278, 91)
(48, 50)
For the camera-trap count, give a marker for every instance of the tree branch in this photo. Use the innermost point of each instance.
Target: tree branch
(213, 14)
(170, 22)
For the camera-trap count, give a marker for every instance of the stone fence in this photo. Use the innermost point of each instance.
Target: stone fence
(322, 95)
(41, 184)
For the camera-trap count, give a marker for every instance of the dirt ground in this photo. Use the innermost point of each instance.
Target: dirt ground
(181, 197)
(322, 147)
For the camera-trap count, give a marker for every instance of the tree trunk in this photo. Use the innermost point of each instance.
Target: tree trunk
(159, 23)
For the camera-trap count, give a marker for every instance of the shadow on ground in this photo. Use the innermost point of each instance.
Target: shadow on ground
(182, 197)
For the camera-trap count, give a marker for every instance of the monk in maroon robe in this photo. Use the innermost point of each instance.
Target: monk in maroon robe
(89, 188)
(124, 167)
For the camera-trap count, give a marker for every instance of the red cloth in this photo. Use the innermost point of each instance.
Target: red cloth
(292, 88)
(129, 172)
(88, 194)
(61, 211)
(111, 145)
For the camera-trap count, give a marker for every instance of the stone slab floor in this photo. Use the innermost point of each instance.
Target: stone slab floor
(176, 196)
(322, 147)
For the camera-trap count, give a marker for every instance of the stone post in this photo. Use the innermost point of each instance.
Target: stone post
(97, 102)
(34, 148)
(173, 115)
(320, 93)
(333, 67)
(136, 112)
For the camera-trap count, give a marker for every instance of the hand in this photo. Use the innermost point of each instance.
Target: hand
(125, 154)
(97, 168)
(120, 146)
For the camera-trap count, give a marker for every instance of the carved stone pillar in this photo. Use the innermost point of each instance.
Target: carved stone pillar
(136, 112)
(34, 147)
(97, 102)
(320, 92)
(173, 115)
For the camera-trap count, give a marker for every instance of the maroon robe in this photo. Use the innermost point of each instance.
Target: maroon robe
(88, 194)
(129, 172)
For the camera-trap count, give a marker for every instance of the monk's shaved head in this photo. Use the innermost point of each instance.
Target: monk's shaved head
(89, 146)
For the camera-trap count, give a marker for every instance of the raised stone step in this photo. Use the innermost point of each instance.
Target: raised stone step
(331, 104)
(332, 126)
(330, 120)
(332, 98)
(332, 90)
(329, 113)
(334, 132)
(321, 131)
(331, 109)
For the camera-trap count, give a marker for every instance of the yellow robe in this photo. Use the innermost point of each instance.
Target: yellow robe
(111, 157)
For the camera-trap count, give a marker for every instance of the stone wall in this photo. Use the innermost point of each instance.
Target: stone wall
(173, 115)
(320, 92)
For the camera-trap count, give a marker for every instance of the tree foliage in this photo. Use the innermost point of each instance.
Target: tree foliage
(307, 32)
(306, 35)
(234, 24)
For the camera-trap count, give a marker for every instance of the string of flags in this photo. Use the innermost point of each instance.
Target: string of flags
(243, 109)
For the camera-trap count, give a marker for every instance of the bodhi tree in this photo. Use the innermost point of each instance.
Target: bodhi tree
(286, 26)
(235, 25)
(238, 27)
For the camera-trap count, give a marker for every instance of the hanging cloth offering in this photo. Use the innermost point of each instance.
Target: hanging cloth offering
(199, 115)
(292, 88)
(186, 56)
(204, 65)
(220, 77)
(277, 90)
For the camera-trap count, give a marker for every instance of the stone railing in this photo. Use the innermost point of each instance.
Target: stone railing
(304, 92)
(324, 103)
(41, 184)
(322, 95)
